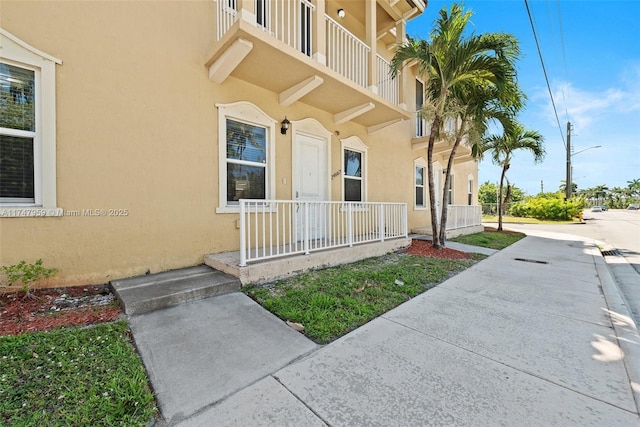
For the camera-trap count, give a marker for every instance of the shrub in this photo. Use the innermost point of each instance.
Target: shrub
(27, 274)
(548, 207)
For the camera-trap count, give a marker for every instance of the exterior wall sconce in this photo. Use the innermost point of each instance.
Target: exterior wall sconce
(284, 126)
(341, 13)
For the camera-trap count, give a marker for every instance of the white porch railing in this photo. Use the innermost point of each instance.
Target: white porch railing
(346, 54)
(388, 86)
(290, 21)
(462, 216)
(275, 228)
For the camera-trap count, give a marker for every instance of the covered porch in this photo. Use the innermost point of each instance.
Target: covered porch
(461, 219)
(279, 238)
(282, 237)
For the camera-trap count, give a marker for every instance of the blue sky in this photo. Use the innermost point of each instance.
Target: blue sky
(591, 50)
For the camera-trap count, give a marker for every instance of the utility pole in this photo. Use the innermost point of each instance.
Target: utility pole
(568, 180)
(541, 186)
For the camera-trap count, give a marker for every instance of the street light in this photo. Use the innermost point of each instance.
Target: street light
(569, 182)
(578, 152)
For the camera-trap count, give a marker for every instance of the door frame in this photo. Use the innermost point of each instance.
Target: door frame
(312, 128)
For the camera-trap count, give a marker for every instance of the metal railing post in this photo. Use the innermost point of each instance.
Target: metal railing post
(350, 224)
(305, 228)
(243, 238)
(381, 222)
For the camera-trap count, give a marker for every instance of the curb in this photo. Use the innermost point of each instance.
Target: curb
(624, 327)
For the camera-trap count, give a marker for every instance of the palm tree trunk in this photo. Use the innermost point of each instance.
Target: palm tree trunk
(504, 172)
(435, 239)
(445, 191)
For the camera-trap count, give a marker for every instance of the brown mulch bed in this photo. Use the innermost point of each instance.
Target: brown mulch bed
(495, 230)
(47, 309)
(425, 248)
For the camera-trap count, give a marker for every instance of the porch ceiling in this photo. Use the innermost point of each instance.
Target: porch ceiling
(275, 66)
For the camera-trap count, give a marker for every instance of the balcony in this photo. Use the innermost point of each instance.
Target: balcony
(442, 148)
(295, 49)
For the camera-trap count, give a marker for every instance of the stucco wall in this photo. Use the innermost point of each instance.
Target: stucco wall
(137, 131)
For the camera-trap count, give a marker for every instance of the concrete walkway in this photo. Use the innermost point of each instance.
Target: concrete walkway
(525, 337)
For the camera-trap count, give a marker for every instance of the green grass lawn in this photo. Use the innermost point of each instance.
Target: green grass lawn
(490, 239)
(333, 301)
(73, 377)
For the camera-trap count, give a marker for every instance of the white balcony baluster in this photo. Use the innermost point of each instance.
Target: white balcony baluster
(346, 54)
(388, 86)
(273, 228)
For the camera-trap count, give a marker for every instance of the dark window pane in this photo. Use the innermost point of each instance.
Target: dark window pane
(419, 176)
(17, 99)
(352, 163)
(419, 95)
(419, 196)
(245, 182)
(262, 8)
(305, 29)
(352, 190)
(246, 142)
(16, 168)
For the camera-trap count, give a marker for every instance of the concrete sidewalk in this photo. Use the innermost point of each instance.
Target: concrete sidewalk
(525, 337)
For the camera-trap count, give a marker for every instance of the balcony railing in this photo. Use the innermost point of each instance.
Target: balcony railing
(289, 21)
(421, 126)
(388, 87)
(275, 228)
(462, 216)
(346, 54)
(292, 22)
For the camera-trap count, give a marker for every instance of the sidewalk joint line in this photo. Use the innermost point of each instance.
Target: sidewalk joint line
(313, 411)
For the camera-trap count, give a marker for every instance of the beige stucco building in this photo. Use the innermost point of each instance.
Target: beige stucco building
(130, 132)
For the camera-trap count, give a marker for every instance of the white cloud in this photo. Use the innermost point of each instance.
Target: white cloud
(584, 107)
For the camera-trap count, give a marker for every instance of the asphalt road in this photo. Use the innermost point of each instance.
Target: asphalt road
(621, 230)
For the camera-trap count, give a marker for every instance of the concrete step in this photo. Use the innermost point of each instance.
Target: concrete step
(151, 292)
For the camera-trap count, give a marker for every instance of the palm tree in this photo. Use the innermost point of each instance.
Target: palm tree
(453, 63)
(633, 188)
(481, 105)
(563, 187)
(502, 147)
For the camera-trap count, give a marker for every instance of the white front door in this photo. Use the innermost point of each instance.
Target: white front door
(310, 169)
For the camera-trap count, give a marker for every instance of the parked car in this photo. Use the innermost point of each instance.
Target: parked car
(633, 207)
(596, 209)
(604, 208)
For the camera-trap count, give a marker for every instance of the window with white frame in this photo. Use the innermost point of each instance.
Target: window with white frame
(450, 199)
(470, 190)
(420, 183)
(27, 130)
(354, 172)
(246, 146)
(421, 126)
(420, 186)
(17, 134)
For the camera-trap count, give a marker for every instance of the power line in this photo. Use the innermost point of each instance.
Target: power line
(564, 58)
(544, 70)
